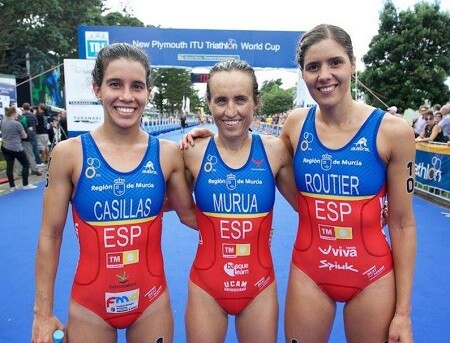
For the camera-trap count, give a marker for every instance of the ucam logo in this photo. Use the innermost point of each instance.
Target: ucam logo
(95, 41)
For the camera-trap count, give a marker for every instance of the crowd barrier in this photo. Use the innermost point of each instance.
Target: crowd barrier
(158, 126)
(432, 165)
(433, 170)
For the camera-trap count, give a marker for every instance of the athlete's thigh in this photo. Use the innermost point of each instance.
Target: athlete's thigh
(206, 321)
(155, 325)
(84, 326)
(259, 320)
(309, 312)
(368, 315)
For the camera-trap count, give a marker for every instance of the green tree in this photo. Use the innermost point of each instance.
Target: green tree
(172, 84)
(408, 61)
(33, 28)
(39, 27)
(274, 98)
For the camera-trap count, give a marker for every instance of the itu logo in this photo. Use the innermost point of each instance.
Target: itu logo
(91, 170)
(95, 41)
(306, 141)
(209, 164)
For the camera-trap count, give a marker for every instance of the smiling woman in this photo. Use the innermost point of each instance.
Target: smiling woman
(235, 173)
(341, 253)
(115, 201)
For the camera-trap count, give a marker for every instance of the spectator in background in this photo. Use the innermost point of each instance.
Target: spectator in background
(28, 148)
(12, 149)
(436, 108)
(42, 128)
(444, 124)
(431, 131)
(437, 117)
(63, 125)
(32, 123)
(419, 122)
(395, 111)
(183, 118)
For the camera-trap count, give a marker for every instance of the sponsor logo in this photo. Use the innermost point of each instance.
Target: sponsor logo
(231, 182)
(263, 282)
(337, 266)
(306, 141)
(326, 162)
(236, 269)
(122, 278)
(87, 119)
(374, 271)
(235, 250)
(119, 187)
(429, 172)
(339, 251)
(95, 41)
(361, 145)
(235, 286)
(209, 164)
(123, 282)
(120, 259)
(122, 302)
(149, 168)
(154, 292)
(91, 170)
(257, 163)
(333, 233)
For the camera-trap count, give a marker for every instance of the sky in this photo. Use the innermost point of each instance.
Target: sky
(360, 18)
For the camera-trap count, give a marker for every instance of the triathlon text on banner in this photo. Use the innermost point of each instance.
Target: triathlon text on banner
(189, 48)
(433, 165)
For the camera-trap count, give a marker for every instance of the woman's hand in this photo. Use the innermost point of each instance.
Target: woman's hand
(188, 139)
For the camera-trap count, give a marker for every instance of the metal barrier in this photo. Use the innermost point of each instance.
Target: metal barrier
(432, 166)
(433, 171)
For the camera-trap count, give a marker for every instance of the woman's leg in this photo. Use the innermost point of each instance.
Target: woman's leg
(309, 312)
(367, 316)
(23, 160)
(9, 158)
(259, 320)
(155, 325)
(85, 326)
(206, 321)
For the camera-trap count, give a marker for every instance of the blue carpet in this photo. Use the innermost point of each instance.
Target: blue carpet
(20, 217)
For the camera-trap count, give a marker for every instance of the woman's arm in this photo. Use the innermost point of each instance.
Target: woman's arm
(55, 205)
(178, 193)
(402, 227)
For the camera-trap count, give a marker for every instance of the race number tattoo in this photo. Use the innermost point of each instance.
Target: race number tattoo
(410, 179)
